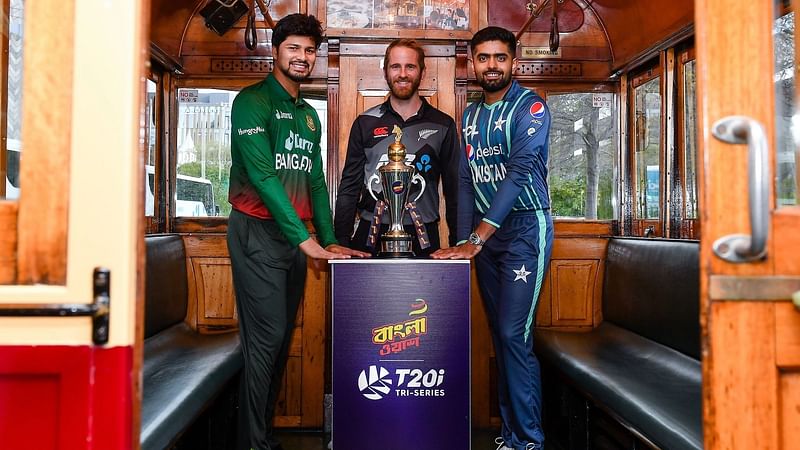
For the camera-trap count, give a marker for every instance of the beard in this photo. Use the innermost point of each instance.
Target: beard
(295, 76)
(403, 93)
(495, 85)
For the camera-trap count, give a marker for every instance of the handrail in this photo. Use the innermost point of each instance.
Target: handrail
(98, 310)
(739, 248)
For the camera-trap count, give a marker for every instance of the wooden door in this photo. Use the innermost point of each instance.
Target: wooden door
(64, 383)
(751, 331)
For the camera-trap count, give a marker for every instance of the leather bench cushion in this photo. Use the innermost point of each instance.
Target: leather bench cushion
(183, 372)
(653, 388)
(652, 288)
(165, 283)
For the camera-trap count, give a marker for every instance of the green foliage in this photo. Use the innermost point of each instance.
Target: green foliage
(219, 184)
(567, 197)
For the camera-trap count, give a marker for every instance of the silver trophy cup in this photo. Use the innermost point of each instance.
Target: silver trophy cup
(396, 178)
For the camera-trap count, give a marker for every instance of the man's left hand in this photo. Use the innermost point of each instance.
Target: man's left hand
(463, 251)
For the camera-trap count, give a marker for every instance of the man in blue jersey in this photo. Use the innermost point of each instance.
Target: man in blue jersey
(504, 223)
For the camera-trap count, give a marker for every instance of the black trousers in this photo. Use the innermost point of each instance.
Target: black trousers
(359, 239)
(268, 277)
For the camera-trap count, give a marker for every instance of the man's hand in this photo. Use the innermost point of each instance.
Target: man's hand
(313, 250)
(463, 251)
(342, 250)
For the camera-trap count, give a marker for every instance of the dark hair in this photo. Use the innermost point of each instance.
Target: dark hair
(495, 34)
(409, 43)
(297, 25)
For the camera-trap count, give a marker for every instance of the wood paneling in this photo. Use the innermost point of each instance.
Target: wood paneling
(8, 242)
(741, 393)
(216, 304)
(572, 300)
(787, 336)
(790, 409)
(46, 131)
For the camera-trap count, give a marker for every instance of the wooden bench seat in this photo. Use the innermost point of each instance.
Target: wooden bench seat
(183, 371)
(641, 365)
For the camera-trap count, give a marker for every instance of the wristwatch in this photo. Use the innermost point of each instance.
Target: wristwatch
(474, 239)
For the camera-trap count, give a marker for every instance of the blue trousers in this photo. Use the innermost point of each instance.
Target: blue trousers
(511, 268)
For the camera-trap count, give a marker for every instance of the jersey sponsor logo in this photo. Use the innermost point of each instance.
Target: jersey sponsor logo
(280, 115)
(425, 134)
(380, 132)
(531, 131)
(474, 153)
(423, 165)
(537, 110)
(250, 131)
(470, 131)
(292, 161)
(488, 173)
(470, 152)
(295, 141)
(310, 123)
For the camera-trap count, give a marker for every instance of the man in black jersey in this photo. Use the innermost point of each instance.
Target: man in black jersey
(431, 142)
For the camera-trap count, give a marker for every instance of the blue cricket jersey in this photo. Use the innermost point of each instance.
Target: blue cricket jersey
(505, 169)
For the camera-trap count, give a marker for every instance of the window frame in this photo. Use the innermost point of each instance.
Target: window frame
(639, 226)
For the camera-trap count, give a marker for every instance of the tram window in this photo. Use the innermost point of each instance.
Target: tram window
(787, 122)
(204, 152)
(9, 166)
(647, 155)
(150, 145)
(583, 155)
(204, 149)
(689, 122)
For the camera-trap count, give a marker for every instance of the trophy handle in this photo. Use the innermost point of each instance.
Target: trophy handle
(414, 179)
(371, 180)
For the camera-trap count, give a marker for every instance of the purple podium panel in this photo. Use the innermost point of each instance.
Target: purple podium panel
(401, 355)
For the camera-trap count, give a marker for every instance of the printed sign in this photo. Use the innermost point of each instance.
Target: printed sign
(401, 354)
(187, 95)
(540, 52)
(601, 100)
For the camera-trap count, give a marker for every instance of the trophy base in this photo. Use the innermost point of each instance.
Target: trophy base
(396, 247)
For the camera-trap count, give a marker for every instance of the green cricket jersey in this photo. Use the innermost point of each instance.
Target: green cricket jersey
(276, 170)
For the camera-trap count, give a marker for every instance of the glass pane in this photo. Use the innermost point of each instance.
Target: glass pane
(787, 120)
(321, 106)
(647, 160)
(150, 147)
(404, 14)
(13, 136)
(204, 152)
(583, 149)
(690, 139)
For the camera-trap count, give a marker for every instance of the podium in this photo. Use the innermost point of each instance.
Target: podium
(401, 354)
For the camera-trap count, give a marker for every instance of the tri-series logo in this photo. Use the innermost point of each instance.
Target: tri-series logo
(376, 382)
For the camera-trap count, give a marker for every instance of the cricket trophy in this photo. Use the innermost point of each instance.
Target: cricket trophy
(396, 178)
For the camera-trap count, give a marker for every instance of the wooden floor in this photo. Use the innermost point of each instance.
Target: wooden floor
(294, 440)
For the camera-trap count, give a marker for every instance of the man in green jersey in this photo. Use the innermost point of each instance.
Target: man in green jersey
(276, 183)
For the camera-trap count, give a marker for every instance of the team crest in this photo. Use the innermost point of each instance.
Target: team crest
(310, 123)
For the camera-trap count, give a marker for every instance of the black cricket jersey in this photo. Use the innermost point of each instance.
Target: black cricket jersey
(432, 147)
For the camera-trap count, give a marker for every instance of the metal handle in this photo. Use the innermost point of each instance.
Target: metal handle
(371, 180)
(414, 179)
(739, 248)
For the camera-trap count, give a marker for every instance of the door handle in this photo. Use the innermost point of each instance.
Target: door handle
(739, 248)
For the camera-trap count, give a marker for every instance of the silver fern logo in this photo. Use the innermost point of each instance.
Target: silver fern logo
(374, 382)
(425, 134)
